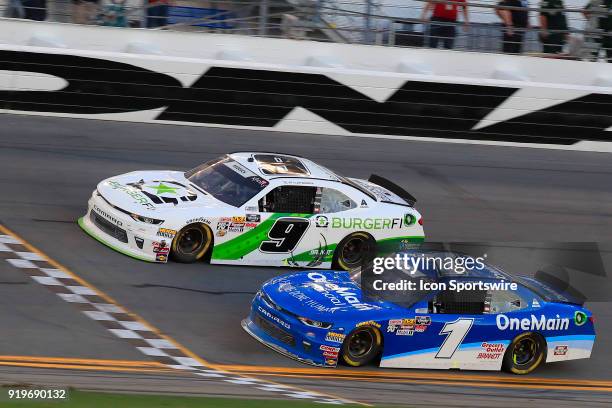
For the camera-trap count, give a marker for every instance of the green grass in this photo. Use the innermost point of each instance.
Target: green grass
(82, 399)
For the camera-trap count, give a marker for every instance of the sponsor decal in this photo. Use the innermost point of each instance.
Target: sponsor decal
(138, 196)
(321, 221)
(364, 204)
(239, 219)
(161, 250)
(221, 233)
(161, 188)
(330, 354)
(166, 233)
(273, 318)
(235, 227)
(107, 216)
(139, 242)
(250, 209)
(259, 181)
(405, 244)
(199, 219)
(366, 223)
(237, 168)
(339, 295)
(162, 192)
(330, 362)
(322, 252)
(335, 337)
(491, 351)
(368, 323)
(535, 303)
(580, 318)
(253, 217)
(401, 327)
(161, 247)
(426, 320)
(532, 323)
(560, 350)
(332, 349)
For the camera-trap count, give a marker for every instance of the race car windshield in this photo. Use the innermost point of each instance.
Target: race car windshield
(227, 181)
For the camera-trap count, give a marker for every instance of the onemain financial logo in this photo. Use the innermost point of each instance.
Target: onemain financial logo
(531, 323)
(412, 263)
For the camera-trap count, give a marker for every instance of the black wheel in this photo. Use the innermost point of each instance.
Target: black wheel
(361, 346)
(354, 250)
(191, 243)
(526, 352)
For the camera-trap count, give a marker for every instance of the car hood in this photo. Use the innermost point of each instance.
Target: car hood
(152, 192)
(323, 296)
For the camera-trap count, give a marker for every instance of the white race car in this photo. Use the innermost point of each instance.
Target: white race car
(253, 208)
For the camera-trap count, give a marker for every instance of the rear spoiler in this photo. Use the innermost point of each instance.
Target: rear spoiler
(392, 187)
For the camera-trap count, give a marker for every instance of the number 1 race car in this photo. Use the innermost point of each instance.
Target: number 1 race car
(252, 208)
(321, 317)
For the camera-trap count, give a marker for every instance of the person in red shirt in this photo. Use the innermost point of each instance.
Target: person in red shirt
(444, 21)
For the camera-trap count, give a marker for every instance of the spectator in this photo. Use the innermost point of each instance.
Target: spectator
(445, 13)
(553, 26)
(114, 14)
(157, 13)
(598, 14)
(35, 9)
(84, 11)
(14, 9)
(515, 22)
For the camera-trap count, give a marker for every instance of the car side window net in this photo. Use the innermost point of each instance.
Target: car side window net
(464, 302)
(289, 199)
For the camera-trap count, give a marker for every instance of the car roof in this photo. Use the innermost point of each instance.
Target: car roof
(270, 165)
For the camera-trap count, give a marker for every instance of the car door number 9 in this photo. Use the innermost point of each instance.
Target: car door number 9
(285, 235)
(455, 332)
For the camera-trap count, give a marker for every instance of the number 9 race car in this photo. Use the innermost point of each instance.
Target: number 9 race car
(321, 317)
(252, 208)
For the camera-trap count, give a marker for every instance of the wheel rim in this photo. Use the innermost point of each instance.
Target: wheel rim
(353, 250)
(190, 241)
(525, 351)
(360, 344)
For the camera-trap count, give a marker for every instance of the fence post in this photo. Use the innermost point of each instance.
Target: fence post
(263, 17)
(368, 22)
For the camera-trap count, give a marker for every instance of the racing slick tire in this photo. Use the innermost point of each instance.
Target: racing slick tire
(191, 243)
(361, 346)
(526, 352)
(354, 250)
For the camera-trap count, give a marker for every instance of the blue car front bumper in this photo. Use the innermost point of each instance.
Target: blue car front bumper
(286, 335)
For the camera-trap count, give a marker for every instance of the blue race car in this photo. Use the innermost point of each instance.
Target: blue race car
(321, 317)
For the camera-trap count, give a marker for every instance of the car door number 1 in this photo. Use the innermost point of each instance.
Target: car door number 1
(455, 332)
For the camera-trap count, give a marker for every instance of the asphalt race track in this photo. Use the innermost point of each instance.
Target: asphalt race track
(49, 167)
